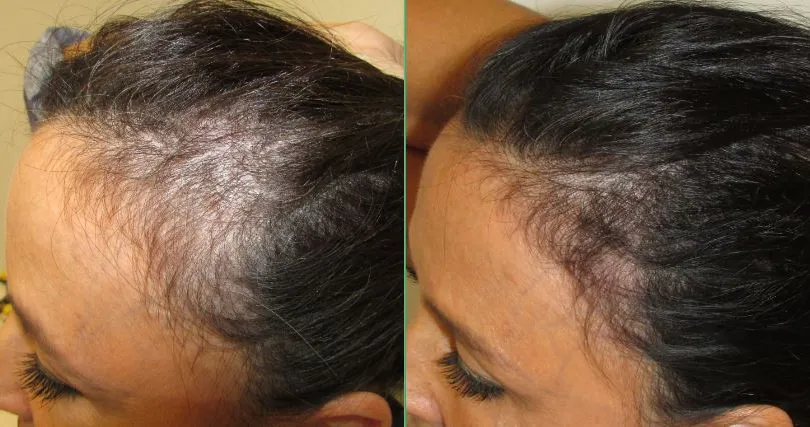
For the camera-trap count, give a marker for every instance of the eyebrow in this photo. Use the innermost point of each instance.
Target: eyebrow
(467, 335)
(34, 330)
(30, 327)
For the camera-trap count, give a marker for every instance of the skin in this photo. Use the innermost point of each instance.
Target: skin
(474, 266)
(371, 45)
(441, 59)
(78, 283)
(512, 315)
(79, 286)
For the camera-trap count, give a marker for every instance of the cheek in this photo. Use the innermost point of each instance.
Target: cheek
(65, 413)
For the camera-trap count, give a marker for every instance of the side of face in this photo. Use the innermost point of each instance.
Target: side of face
(87, 322)
(509, 316)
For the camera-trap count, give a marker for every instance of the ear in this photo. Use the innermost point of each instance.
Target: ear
(358, 409)
(753, 416)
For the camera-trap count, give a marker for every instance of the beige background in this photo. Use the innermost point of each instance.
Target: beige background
(22, 22)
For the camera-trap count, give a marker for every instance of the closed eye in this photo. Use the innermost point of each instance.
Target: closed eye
(467, 383)
(41, 384)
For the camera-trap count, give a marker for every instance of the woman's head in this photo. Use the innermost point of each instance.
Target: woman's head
(624, 204)
(207, 226)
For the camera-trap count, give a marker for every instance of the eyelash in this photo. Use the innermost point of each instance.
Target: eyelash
(459, 376)
(39, 383)
(465, 382)
(411, 273)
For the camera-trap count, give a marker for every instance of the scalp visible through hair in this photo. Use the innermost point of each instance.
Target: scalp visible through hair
(660, 153)
(256, 166)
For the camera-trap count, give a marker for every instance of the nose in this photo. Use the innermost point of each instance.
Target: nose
(12, 347)
(425, 345)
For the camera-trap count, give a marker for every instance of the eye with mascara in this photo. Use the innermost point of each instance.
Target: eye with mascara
(465, 382)
(39, 383)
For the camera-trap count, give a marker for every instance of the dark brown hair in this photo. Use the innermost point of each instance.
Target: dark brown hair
(663, 153)
(258, 165)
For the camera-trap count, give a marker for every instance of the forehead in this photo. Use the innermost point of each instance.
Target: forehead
(463, 226)
(82, 284)
(470, 249)
(55, 248)
(476, 265)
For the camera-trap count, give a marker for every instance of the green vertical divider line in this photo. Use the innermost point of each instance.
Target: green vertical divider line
(405, 212)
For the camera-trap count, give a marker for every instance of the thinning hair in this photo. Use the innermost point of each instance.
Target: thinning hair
(257, 166)
(662, 153)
